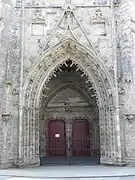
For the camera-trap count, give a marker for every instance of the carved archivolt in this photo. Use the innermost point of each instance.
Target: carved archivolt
(95, 72)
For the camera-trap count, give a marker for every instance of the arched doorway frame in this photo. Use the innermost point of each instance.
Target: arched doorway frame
(57, 113)
(40, 74)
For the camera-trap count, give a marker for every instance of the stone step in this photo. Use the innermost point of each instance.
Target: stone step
(92, 178)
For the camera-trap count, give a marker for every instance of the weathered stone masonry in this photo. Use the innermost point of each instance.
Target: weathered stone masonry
(37, 38)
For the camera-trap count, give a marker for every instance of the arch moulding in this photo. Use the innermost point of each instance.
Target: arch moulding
(41, 73)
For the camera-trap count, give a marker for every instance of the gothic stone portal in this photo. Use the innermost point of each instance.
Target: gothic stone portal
(69, 82)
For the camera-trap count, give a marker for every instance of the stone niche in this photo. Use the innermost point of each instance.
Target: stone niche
(37, 28)
(98, 24)
(38, 24)
(99, 28)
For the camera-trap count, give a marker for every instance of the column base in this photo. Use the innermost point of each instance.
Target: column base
(7, 164)
(23, 164)
(112, 162)
(130, 161)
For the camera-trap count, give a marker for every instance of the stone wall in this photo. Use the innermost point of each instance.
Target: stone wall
(41, 24)
(9, 82)
(29, 28)
(125, 59)
(25, 36)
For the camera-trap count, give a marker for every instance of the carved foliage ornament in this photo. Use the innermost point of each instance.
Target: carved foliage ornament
(39, 75)
(127, 77)
(6, 117)
(130, 116)
(116, 2)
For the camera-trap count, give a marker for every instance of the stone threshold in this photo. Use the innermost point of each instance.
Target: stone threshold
(69, 172)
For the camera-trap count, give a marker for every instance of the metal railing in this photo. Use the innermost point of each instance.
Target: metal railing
(71, 150)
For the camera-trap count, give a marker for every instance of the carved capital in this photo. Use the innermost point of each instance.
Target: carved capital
(116, 2)
(109, 92)
(6, 116)
(127, 78)
(15, 91)
(8, 82)
(121, 91)
(130, 116)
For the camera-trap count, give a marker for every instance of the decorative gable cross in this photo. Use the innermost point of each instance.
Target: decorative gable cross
(68, 6)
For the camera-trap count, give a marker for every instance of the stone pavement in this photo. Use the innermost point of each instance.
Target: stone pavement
(70, 172)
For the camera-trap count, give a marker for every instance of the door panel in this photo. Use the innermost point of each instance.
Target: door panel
(56, 138)
(81, 141)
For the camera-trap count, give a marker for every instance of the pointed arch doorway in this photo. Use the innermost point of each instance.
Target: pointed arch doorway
(36, 91)
(68, 112)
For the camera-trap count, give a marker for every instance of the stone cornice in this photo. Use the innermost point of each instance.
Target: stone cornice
(59, 6)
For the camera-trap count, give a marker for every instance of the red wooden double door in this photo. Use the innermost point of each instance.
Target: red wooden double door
(77, 145)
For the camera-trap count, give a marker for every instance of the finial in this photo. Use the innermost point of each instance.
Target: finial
(68, 5)
(68, 1)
